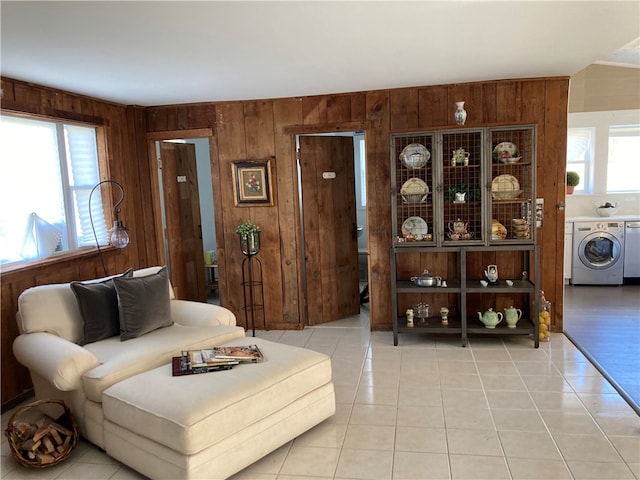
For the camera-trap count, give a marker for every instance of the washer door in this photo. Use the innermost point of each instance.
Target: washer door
(599, 250)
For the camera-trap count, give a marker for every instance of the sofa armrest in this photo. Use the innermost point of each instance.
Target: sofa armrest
(61, 362)
(197, 314)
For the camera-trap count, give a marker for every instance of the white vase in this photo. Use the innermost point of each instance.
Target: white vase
(461, 113)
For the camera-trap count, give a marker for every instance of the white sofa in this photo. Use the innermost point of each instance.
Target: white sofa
(126, 401)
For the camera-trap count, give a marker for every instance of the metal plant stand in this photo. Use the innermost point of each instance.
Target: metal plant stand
(253, 292)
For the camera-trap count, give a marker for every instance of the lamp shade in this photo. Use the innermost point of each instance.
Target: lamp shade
(118, 236)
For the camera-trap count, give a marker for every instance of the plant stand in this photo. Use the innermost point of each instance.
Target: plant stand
(253, 292)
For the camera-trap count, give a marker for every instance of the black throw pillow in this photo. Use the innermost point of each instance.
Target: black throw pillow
(98, 305)
(143, 304)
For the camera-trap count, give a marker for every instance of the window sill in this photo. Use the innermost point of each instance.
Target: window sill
(57, 258)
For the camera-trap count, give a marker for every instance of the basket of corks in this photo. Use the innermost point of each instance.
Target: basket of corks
(42, 434)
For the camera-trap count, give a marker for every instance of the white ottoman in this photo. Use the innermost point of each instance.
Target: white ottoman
(213, 425)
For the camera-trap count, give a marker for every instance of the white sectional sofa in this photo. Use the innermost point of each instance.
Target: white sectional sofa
(124, 397)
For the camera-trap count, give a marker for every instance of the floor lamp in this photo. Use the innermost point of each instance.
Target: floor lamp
(118, 236)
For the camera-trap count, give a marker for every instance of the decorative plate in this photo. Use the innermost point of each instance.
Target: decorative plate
(505, 183)
(414, 155)
(505, 150)
(415, 226)
(414, 190)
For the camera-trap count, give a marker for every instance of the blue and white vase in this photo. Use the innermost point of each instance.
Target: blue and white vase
(461, 113)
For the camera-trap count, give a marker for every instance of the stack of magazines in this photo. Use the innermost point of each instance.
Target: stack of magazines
(214, 359)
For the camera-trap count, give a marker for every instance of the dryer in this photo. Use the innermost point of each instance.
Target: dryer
(598, 253)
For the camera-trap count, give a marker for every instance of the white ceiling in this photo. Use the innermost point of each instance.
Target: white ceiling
(160, 52)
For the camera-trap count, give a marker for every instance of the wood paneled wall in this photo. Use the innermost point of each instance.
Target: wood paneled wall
(260, 129)
(265, 129)
(125, 134)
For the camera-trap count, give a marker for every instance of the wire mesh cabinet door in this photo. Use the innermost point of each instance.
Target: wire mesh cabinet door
(511, 185)
(412, 185)
(462, 165)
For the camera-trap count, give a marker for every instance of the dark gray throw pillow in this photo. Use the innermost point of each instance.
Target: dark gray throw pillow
(98, 305)
(143, 304)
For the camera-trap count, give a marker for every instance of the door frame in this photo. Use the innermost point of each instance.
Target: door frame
(311, 130)
(152, 138)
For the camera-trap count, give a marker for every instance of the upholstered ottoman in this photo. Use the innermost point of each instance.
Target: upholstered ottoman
(213, 425)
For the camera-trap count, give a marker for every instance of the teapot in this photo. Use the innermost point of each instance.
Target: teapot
(460, 157)
(492, 274)
(512, 315)
(490, 318)
(458, 226)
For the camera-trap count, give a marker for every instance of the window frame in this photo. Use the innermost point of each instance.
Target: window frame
(601, 121)
(103, 173)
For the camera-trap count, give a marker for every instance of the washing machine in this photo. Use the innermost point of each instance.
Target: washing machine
(598, 251)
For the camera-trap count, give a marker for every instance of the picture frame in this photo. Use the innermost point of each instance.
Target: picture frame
(252, 183)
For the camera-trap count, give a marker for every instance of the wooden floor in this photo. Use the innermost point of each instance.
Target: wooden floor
(604, 323)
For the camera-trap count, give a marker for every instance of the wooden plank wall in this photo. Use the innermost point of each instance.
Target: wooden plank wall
(265, 129)
(260, 129)
(125, 134)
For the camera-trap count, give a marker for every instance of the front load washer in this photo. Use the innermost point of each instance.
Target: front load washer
(598, 250)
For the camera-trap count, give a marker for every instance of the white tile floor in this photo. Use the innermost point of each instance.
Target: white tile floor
(429, 408)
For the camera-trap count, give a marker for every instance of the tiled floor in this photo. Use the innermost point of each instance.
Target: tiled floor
(498, 409)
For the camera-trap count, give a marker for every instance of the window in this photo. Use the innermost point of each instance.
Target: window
(603, 148)
(580, 155)
(623, 167)
(48, 171)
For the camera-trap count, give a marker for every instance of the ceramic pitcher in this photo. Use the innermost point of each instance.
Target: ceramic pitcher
(512, 315)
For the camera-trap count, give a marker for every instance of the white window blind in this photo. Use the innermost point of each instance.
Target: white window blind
(47, 169)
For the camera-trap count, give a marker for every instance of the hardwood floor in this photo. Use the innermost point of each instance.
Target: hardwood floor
(604, 323)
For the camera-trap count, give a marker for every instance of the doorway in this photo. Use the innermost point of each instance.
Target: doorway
(186, 215)
(332, 214)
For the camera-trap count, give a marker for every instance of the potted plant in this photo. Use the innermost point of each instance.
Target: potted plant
(249, 237)
(573, 179)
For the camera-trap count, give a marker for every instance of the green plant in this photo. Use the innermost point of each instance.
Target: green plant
(247, 228)
(573, 179)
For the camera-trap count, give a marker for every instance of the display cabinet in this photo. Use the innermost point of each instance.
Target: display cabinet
(464, 186)
(463, 200)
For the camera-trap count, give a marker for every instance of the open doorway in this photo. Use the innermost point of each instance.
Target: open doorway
(187, 216)
(332, 198)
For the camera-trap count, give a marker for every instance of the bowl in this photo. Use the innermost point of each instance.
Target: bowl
(606, 211)
(506, 194)
(413, 198)
(510, 159)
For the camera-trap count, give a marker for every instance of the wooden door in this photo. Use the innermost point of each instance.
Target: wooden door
(329, 221)
(183, 234)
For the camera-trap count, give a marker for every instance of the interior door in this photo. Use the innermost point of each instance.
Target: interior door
(183, 234)
(329, 222)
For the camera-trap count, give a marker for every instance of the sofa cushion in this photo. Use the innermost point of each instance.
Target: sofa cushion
(98, 305)
(121, 360)
(143, 303)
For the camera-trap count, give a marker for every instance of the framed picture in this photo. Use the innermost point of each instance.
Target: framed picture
(252, 183)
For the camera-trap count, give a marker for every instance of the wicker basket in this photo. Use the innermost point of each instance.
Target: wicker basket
(28, 413)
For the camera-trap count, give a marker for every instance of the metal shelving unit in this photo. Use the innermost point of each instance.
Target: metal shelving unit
(475, 173)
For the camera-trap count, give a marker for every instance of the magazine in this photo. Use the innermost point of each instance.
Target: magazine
(243, 354)
(182, 365)
(214, 359)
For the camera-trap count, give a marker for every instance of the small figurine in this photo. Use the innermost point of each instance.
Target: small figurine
(444, 311)
(409, 317)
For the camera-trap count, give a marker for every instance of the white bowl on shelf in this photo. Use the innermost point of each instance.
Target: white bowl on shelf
(606, 211)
